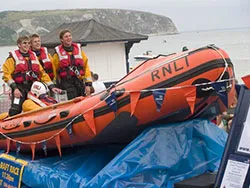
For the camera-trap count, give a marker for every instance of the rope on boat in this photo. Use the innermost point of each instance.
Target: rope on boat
(180, 87)
(226, 63)
(93, 107)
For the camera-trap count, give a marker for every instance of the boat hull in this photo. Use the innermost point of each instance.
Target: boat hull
(91, 120)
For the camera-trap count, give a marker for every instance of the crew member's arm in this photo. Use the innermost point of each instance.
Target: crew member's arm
(53, 68)
(87, 75)
(8, 69)
(55, 64)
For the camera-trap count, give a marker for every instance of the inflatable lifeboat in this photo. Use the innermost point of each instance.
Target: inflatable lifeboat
(172, 88)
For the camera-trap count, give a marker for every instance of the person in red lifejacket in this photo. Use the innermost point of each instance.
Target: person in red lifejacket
(38, 97)
(20, 70)
(71, 67)
(42, 54)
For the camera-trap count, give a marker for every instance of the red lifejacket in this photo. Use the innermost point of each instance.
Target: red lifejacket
(43, 100)
(24, 72)
(66, 66)
(47, 65)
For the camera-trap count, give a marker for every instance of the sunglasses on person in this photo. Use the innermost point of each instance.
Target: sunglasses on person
(25, 42)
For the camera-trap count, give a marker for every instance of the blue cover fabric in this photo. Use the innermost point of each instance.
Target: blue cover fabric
(160, 156)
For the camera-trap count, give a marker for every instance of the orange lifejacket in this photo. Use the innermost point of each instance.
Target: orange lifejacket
(70, 64)
(43, 100)
(24, 70)
(47, 65)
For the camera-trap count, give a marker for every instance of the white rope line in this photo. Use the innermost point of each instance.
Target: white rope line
(180, 87)
(226, 64)
(45, 140)
(93, 107)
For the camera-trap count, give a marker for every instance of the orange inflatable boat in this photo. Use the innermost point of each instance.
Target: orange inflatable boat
(172, 88)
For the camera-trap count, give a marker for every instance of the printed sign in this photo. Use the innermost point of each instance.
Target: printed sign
(111, 101)
(159, 97)
(235, 173)
(244, 144)
(11, 170)
(234, 169)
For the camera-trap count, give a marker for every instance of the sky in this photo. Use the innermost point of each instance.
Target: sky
(187, 15)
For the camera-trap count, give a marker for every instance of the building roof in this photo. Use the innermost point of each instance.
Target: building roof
(90, 31)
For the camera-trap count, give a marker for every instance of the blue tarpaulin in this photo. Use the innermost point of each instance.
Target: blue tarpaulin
(160, 156)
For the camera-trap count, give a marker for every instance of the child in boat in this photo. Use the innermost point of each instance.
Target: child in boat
(37, 97)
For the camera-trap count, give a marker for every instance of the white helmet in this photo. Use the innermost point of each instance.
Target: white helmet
(39, 88)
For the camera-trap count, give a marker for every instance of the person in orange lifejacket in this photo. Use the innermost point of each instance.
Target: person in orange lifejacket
(20, 70)
(71, 67)
(42, 54)
(37, 97)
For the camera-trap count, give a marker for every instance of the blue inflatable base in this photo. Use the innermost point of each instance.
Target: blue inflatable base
(159, 157)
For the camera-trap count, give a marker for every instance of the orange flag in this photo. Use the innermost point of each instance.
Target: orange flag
(190, 94)
(246, 80)
(58, 144)
(33, 148)
(8, 145)
(134, 97)
(90, 120)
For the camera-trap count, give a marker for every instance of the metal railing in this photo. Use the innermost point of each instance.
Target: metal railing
(4, 96)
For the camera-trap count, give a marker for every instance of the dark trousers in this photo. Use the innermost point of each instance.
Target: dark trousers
(16, 106)
(73, 86)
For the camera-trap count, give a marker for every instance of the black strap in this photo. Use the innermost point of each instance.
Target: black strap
(72, 60)
(19, 74)
(41, 62)
(29, 64)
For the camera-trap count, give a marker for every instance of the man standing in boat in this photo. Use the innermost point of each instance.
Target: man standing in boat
(42, 54)
(71, 67)
(20, 70)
